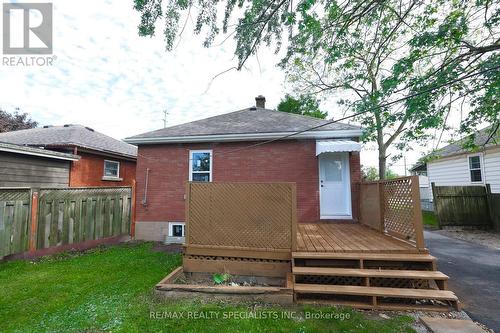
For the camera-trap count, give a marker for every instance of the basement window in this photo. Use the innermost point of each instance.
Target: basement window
(476, 175)
(111, 170)
(200, 165)
(176, 229)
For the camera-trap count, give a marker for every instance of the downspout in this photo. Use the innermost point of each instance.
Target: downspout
(145, 197)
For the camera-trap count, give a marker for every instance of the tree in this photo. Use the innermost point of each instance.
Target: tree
(370, 173)
(15, 121)
(437, 57)
(305, 105)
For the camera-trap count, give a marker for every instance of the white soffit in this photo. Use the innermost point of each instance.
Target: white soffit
(335, 146)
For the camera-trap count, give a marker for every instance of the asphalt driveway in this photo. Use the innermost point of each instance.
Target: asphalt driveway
(474, 272)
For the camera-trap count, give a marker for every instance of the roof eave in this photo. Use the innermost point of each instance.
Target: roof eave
(65, 157)
(246, 137)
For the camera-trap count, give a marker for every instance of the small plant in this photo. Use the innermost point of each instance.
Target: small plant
(221, 278)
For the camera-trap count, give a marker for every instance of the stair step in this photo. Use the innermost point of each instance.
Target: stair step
(443, 295)
(365, 256)
(401, 274)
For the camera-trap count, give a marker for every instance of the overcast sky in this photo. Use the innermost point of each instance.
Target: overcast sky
(107, 77)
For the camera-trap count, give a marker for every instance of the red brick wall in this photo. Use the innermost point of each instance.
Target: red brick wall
(287, 161)
(88, 171)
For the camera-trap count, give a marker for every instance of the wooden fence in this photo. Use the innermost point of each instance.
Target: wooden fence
(39, 219)
(14, 220)
(463, 206)
(393, 207)
(253, 220)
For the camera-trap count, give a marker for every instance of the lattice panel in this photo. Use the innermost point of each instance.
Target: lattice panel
(333, 280)
(399, 283)
(241, 215)
(235, 259)
(72, 193)
(398, 207)
(14, 195)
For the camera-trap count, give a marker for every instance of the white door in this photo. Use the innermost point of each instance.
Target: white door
(334, 186)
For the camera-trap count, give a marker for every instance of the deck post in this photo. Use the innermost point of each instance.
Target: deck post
(417, 213)
(34, 221)
(294, 217)
(381, 198)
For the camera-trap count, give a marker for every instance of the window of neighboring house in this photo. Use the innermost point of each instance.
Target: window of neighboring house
(200, 165)
(111, 169)
(476, 174)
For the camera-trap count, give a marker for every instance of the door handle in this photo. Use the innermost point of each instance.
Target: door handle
(322, 185)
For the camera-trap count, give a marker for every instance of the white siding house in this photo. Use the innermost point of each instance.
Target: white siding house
(456, 167)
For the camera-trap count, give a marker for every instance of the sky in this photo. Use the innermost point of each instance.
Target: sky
(107, 77)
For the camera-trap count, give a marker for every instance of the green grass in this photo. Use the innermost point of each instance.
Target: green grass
(110, 289)
(430, 219)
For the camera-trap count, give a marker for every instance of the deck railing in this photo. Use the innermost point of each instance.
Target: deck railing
(253, 220)
(393, 207)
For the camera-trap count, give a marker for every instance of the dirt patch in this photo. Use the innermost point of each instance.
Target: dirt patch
(418, 325)
(482, 237)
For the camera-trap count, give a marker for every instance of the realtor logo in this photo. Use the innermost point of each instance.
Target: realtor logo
(27, 28)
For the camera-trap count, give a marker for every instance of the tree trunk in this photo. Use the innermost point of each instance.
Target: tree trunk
(382, 159)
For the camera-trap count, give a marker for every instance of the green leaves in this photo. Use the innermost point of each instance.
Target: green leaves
(304, 105)
(219, 278)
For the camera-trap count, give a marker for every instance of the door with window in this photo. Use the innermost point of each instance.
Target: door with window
(334, 186)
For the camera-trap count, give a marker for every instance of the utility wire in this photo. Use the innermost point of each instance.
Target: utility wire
(383, 105)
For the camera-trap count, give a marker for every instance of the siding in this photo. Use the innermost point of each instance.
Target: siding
(492, 170)
(455, 171)
(29, 171)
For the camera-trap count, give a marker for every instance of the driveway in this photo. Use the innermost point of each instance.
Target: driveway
(474, 272)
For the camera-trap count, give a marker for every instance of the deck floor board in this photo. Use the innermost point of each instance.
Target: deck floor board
(343, 237)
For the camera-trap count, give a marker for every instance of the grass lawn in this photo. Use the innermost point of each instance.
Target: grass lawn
(110, 289)
(430, 219)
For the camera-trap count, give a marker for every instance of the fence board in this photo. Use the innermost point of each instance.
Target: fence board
(14, 220)
(63, 216)
(462, 206)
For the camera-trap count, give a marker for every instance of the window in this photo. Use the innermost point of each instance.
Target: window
(111, 169)
(475, 169)
(176, 229)
(200, 165)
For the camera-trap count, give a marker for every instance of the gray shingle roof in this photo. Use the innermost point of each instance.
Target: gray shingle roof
(69, 135)
(36, 151)
(246, 121)
(479, 140)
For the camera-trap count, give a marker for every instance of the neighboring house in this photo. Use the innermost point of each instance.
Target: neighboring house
(22, 166)
(103, 161)
(323, 162)
(420, 170)
(453, 165)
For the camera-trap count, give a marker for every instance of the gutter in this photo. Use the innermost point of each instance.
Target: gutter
(245, 137)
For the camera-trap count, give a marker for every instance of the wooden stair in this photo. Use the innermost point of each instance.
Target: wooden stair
(371, 281)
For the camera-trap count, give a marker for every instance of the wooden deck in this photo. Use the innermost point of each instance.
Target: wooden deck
(344, 237)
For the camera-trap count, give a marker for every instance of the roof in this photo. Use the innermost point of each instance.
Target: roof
(69, 135)
(244, 125)
(480, 140)
(11, 148)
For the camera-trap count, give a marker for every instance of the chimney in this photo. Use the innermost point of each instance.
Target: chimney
(260, 102)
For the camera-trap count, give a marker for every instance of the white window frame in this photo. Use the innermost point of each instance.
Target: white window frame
(171, 229)
(191, 152)
(104, 176)
(481, 166)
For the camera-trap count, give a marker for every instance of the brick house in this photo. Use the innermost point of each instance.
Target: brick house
(324, 163)
(103, 160)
